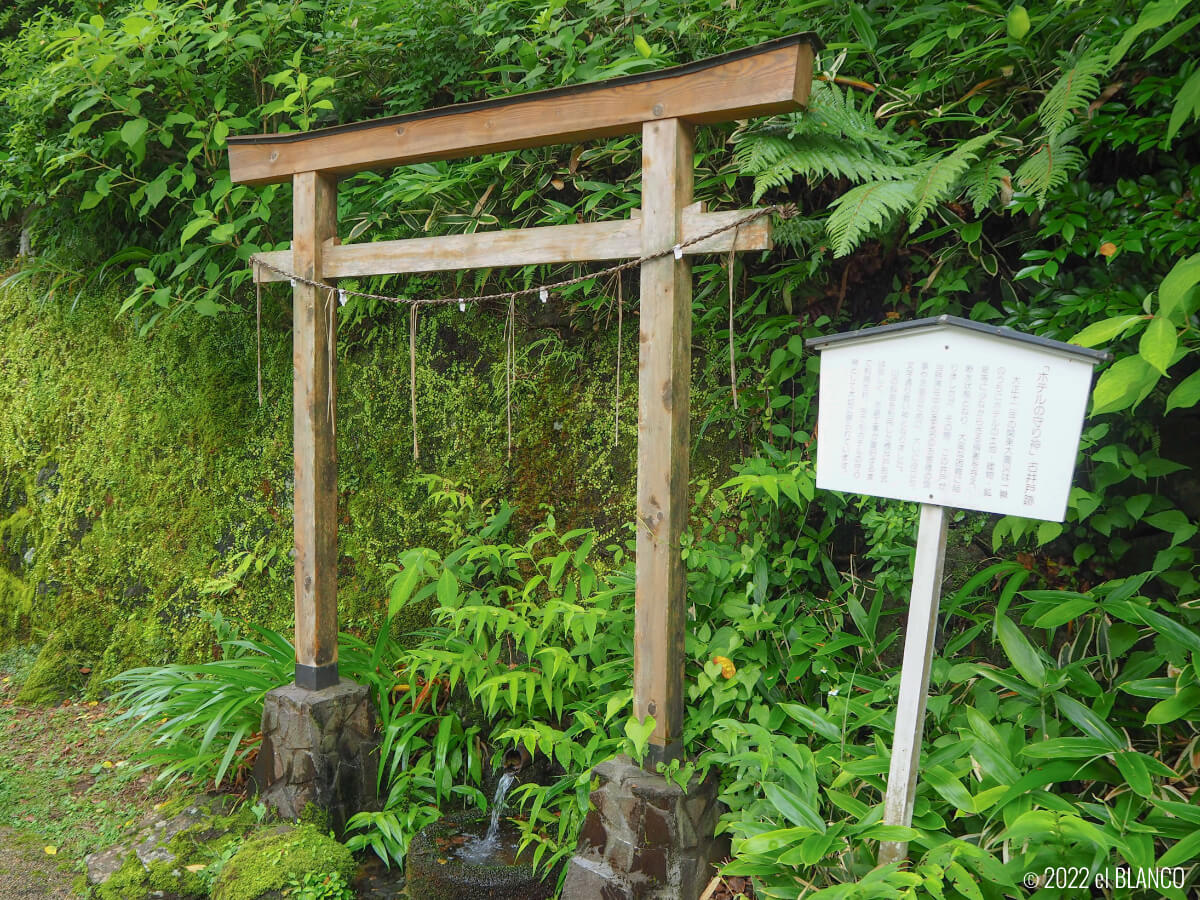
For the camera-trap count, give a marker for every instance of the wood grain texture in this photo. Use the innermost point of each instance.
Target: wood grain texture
(914, 676)
(314, 391)
(776, 79)
(664, 378)
(520, 247)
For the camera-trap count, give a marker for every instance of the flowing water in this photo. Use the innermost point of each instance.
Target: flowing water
(480, 849)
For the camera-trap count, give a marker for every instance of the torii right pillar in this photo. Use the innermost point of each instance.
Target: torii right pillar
(645, 837)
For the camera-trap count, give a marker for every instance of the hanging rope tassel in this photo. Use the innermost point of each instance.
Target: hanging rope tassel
(331, 358)
(412, 375)
(617, 405)
(258, 331)
(510, 364)
(732, 362)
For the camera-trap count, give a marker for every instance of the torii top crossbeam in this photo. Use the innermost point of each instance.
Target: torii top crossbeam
(665, 106)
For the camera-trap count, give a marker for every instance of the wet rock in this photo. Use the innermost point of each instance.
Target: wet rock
(152, 845)
(104, 865)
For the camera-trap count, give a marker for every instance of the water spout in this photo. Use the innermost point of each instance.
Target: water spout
(516, 759)
(480, 849)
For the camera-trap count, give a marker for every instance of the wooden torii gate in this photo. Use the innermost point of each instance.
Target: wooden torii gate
(665, 106)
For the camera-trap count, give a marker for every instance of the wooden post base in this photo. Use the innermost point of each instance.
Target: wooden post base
(319, 748)
(645, 837)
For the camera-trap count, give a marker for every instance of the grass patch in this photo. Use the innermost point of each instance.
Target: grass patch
(65, 780)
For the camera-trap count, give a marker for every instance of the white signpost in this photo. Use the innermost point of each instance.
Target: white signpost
(949, 413)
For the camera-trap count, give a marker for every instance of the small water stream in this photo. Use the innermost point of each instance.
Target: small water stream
(481, 849)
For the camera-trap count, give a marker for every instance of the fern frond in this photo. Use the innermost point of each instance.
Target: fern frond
(1050, 165)
(1075, 89)
(798, 234)
(941, 176)
(833, 111)
(865, 207)
(775, 161)
(984, 179)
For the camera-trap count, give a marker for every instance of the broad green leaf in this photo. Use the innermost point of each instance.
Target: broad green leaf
(133, 131)
(1153, 15)
(192, 227)
(1123, 384)
(1106, 330)
(1065, 612)
(1164, 625)
(1158, 343)
(1187, 105)
(1134, 770)
(1186, 394)
(1185, 851)
(797, 811)
(813, 720)
(406, 582)
(1020, 652)
(846, 803)
(447, 589)
(964, 881)
(1086, 720)
(1174, 708)
(950, 788)
(207, 307)
(639, 732)
(1067, 748)
(1155, 688)
(1173, 291)
(890, 833)
(771, 841)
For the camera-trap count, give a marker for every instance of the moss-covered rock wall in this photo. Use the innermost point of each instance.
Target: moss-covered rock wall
(141, 483)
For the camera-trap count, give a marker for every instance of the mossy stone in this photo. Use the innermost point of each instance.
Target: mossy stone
(266, 862)
(53, 675)
(130, 882)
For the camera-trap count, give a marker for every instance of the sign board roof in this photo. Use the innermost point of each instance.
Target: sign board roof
(953, 413)
(883, 332)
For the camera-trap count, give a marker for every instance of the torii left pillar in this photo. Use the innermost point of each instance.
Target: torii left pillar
(319, 745)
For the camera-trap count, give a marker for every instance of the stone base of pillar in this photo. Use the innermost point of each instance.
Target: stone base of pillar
(319, 750)
(645, 838)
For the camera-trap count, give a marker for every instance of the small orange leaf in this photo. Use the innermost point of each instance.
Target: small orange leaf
(1108, 248)
(728, 669)
(51, 851)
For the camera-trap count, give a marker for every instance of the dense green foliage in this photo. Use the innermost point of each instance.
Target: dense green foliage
(1035, 168)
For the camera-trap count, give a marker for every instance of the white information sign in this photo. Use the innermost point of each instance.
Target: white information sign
(954, 417)
(952, 414)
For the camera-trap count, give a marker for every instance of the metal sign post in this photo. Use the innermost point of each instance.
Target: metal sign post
(952, 414)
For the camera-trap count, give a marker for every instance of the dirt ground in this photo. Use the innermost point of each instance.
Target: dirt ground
(27, 872)
(67, 789)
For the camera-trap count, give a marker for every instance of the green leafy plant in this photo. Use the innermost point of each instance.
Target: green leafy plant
(203, 720)
(319, 886)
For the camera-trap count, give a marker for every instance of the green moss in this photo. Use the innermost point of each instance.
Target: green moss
(317, 817)
(16, 604)
(52, 676)
(266, 862)
(130, 882)
(165, 469)
(175, 878)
